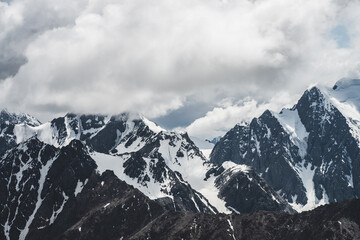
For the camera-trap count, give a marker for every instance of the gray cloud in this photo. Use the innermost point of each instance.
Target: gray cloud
(21, 22)
(10, 64)
(168, 59)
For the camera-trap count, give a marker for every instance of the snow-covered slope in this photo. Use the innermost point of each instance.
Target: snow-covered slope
(291, 123)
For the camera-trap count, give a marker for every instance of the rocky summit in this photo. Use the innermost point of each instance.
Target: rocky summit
(309, 154)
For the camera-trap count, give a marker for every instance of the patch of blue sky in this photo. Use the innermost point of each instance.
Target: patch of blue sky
(341, 35)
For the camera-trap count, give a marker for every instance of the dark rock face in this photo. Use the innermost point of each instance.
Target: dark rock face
(246, 192)
(184, 197)
(36, 181)
(331, 148)
(264, 145)
(106, 208)
(60, 132)
(328, 155)
(7, 138)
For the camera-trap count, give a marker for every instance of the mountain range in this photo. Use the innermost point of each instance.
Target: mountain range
(124, 177)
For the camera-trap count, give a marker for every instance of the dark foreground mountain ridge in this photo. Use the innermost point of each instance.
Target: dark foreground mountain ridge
(122, 212)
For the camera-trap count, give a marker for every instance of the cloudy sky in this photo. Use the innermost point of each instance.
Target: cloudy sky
(198, 65)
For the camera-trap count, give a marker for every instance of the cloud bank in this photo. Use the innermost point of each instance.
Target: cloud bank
(113, 56)
(223, 117)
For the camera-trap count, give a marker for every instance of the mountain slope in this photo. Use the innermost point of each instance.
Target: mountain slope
(310, 153)
(170, 159)
(245, 191)
(36, 182)
(108, 208)
(166, 166)
(54, 192)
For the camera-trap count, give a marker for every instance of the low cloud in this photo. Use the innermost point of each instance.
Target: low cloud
(224, 117)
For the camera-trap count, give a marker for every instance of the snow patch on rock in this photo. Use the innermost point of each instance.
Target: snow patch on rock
(291, 123)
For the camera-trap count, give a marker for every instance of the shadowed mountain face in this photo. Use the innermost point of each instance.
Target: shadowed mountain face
(107, 208)
(36, 182)
(309, 154)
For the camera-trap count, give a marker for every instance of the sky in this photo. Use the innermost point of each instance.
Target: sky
(194, 65)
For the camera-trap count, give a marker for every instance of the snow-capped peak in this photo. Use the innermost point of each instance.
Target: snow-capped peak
(243, 124)
(16, 118)
(153, 126)
(60, 131)
(132, 116)
(345, 97)
(346, 83)
(346, 91)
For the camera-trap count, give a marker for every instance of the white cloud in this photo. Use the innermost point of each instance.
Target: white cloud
(113, 56)
(224, 117)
